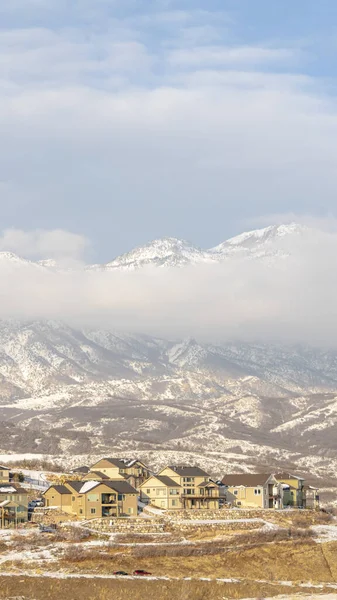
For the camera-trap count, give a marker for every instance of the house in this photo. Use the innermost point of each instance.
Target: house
(13, 505)
(181, 487)
(250, 490)
(161, 491)
(4, 474)
(93, 499)
(311, 496)
(115, 468)
(294, 492)
(112, 467)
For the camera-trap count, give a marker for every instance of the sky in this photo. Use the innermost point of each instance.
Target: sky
(122, 121)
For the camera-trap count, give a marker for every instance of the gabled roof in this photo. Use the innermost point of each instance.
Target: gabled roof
(121, 486)
(187, 471)
(12, 488)
(83, 469)
(97, 474)
(246, 479)
(4, 468)
(280, 476)
(167, 481)
(61, 489)
(115, 462)
(207, 483)
(75, 485)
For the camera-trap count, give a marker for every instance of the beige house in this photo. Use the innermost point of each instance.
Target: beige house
(115, 468)
(180, 487)
(311, 497)
(250, 490)
(13, 505)
(93, 499)
(293, 489)
(162, 492)
(4, 474)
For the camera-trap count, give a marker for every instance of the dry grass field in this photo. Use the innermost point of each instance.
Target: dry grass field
(194, 563)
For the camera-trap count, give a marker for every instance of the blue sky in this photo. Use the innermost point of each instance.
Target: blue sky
(124, 120)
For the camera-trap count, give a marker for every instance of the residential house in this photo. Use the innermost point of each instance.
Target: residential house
(250, 490)
(4, 474)
(181, 487)
(13, 505)
(93, 499)
(115, 468)
(294, 492)
(311, 496)
(162, 492)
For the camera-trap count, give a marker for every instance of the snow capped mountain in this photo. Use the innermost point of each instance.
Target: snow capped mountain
(165, 252)
(91, 391)
(274, 241)
(74, 391)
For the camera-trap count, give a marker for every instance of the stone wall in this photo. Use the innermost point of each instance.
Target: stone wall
(220, 514)
(127, 525)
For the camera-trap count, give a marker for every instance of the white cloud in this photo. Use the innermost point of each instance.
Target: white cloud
(290, 299)
(218, 56)
(40, 244)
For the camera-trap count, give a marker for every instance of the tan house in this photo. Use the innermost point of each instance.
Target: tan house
(250, 490)
(93, 499)
(115, 468)
(181, 487)
(4, 474)
(13, 505)
(311, 496)
(293, 489)
(162, 492)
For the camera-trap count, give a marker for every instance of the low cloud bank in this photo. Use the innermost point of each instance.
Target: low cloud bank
(291, 298)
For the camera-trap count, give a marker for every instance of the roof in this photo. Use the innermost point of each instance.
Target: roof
(61, 489)
(3, 468)
(75, 485)
(208, 483)
(121, 486)
(246, 479)
(116, 462)
(83, 469)
(187, 471)
(280, 476)
(11, 488)
(166, 480)
(98, 474)
(88, 486)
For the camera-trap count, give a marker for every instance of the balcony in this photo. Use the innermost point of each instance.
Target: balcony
(108, 499)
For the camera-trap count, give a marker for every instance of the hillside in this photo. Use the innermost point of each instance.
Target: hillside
(79, 390)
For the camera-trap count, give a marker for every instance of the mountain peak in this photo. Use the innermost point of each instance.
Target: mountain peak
(256, 237)
(167, 251)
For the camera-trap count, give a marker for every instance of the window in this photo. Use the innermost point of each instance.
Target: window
(235, 492)
(121, 497)
(189, 491)
(188, 479)
(130, 511)
(157, 491)
(174, 502)
(148, 491)
(93, 497)
(174, 492)
(256, 492)
(73, 498)
(92, 511)
(162, 503)
(81, 511)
